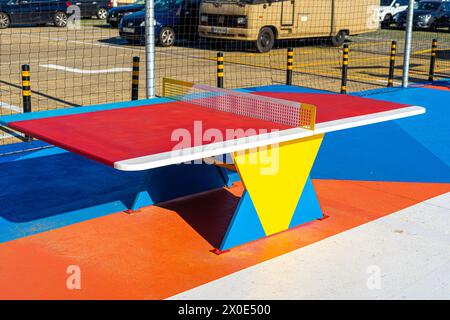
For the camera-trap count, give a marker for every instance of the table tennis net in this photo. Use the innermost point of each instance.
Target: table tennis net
(280, 111)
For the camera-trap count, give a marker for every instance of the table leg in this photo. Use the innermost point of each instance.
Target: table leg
(171, 182)
(278, 191)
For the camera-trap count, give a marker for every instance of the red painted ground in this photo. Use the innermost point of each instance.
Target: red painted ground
(156, 253)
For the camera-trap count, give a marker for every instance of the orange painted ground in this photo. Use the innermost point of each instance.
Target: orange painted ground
(157, 253)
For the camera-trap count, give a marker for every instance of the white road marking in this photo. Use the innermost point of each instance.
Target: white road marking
(10, 107)
(5, 135)
(82, 71)
(121, 47)
(397, 83)
(117, 46)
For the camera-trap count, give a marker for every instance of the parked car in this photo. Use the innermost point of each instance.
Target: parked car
(33, 12)
(115, 14)
(174, 18)
(389, 8)
(90, 8)
(429, 14)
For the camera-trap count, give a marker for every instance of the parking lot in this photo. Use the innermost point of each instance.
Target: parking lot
(92, 64)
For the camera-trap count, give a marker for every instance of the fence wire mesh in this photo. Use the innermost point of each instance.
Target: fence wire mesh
(81, 53)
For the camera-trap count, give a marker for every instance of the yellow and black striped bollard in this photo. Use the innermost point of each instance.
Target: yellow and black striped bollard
(433, 60)
(220, 69)
(344, 69)
(26, 93)
(135, 79)
(290, 64)
(392, 63)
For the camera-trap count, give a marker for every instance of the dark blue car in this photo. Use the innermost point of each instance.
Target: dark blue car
(428, 14)
(116, 14)
(33, 12)
(36, 12)
(91, 8)
(174, 18)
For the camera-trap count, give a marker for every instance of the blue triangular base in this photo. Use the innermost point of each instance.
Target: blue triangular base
(171, 182)
(308, 207)
(142, 199)
(245, 225)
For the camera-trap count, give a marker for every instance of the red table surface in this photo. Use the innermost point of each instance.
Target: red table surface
(112, 135)
(337, 106)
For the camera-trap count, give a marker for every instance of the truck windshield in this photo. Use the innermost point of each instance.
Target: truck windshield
(386, 3)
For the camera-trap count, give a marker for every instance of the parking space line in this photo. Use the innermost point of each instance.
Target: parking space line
(82, 71)
(5, 135)
(116, 46)
(84, 42)
(429, 50)
(10, 107)
(397, 83)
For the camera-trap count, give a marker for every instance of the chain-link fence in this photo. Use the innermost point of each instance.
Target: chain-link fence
(81, 53)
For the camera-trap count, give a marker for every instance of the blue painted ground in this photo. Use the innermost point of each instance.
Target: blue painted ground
(50, 188)
(415, 149)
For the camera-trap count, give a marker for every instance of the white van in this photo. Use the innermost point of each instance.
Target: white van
(265, 21)
(388, 8)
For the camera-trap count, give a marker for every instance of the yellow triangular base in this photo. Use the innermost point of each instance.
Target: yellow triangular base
(275, 177)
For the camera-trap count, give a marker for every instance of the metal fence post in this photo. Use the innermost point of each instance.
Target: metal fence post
(408, 36)
(150, 48)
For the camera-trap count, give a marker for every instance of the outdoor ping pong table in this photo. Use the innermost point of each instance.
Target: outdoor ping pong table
(273, 139)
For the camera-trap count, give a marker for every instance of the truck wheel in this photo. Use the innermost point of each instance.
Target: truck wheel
(102, 13)
(266, 40)
(60, 19)
(4, 20)
(167, 37)
(339, 39)
(113, 24)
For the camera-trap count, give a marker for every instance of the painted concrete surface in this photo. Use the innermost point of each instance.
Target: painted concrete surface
(123, 258)
(408, 150)
(408, 249)
(164, 250)
(54, 188)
